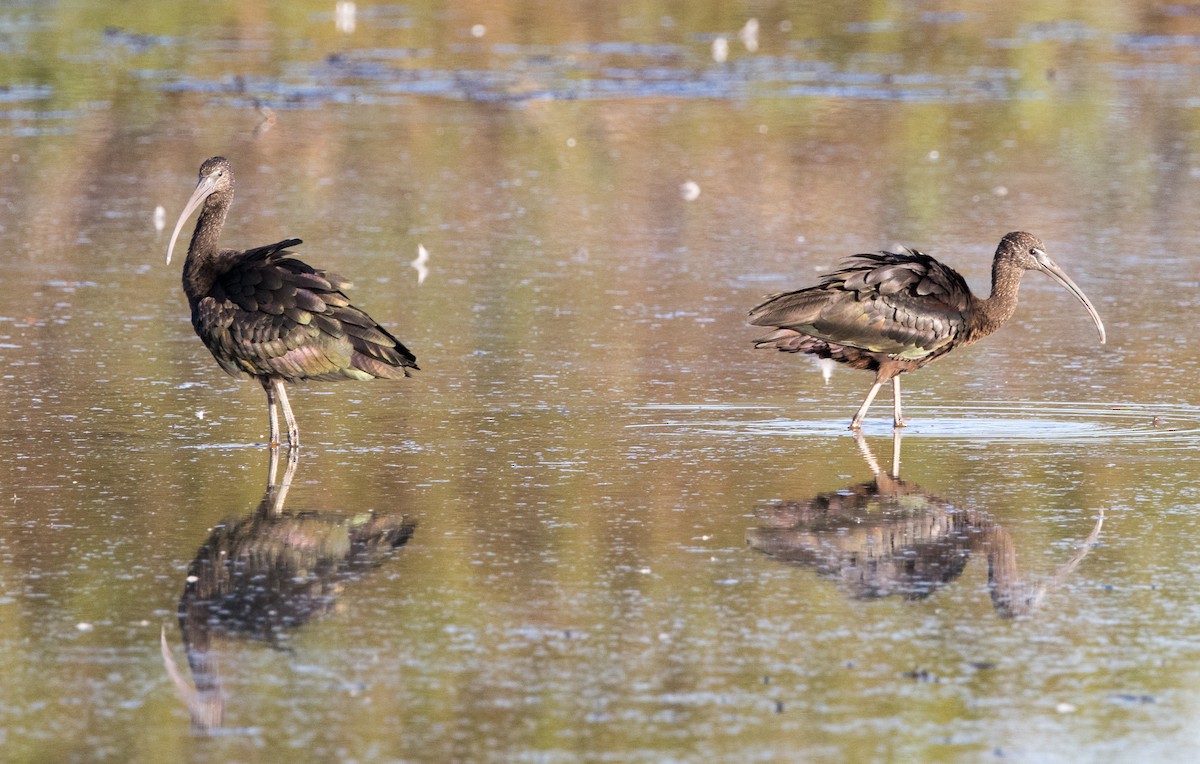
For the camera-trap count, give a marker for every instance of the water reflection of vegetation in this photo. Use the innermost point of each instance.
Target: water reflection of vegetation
(259, 576)
(891, 537)
(568, 280)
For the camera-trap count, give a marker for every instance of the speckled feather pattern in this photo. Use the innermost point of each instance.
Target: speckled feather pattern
(902, 306)
(268, 314)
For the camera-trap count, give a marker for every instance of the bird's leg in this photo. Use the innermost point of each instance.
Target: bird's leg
(896, 436)
(898, 419)
(289, 417)
(272, 467)
(856, 422)
(273, 438)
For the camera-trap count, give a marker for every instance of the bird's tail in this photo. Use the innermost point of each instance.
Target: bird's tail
(381, 363)
(375, 351)
(791, 341)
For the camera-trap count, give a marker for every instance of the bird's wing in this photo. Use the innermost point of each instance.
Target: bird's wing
(274, 315)
(265, 252)
(907, 305)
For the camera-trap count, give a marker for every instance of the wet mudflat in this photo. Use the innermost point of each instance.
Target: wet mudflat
(597, 524)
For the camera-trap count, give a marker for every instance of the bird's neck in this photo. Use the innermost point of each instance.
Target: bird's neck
(201, 267)
(1001, 304)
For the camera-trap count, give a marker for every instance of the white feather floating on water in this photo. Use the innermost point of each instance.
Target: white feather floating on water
(420, 263)
(344, 17)
(720, 50)
(749, 35)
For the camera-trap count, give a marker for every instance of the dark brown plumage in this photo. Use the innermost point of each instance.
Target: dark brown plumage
(264, 313)
(892, 313)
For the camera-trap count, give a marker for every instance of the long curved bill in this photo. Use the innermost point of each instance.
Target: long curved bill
(1047, 266)
(205, 187)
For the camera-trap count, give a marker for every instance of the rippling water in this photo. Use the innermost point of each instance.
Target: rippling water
(598, 525)
(1064, 424)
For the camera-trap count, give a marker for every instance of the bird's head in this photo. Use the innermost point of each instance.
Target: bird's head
(1027, 251)
(215, 175)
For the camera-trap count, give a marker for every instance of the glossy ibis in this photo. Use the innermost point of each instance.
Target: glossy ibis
(264, 313)
(891, 313)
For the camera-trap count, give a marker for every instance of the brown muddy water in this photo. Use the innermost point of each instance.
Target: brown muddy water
(597, 525)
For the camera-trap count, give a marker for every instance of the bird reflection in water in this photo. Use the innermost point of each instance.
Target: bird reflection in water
(266, 573)
(891, 537)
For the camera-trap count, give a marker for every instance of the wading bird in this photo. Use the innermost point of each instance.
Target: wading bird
(264, 313)
(891, 313)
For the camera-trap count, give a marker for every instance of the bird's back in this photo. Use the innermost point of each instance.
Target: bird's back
(268, 314)
(905, 305)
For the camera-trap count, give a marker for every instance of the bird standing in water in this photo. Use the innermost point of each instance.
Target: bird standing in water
(264, 313)
(891, 313)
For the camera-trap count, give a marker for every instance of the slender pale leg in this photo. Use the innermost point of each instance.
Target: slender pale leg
(898, 420)
(288, 416)
(856, 422)
(896, 436)
(273, 438)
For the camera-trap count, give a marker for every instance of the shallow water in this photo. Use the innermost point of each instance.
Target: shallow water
(594, 458)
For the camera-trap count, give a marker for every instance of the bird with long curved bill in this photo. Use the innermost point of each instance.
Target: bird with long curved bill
(264, 313)
(891, 313)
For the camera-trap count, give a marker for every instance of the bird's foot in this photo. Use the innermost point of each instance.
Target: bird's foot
(855, 427)
(900, 423)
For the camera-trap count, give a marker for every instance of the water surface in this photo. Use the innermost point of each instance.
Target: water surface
(587, 461)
